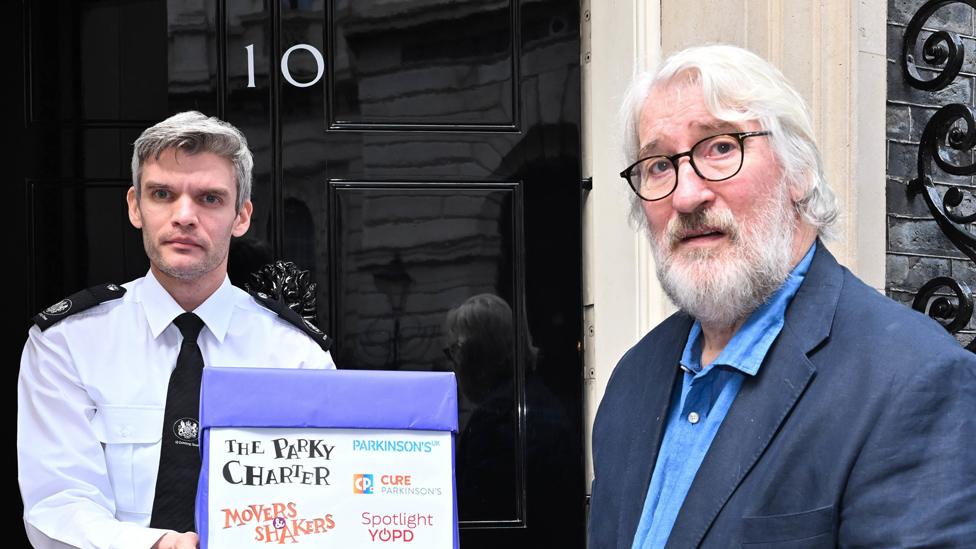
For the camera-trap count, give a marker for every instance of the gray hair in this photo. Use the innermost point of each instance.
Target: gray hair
(738, 85)
(193, 132)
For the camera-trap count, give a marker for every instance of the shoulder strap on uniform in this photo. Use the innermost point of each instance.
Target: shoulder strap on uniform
(293, 318)
(76, 303)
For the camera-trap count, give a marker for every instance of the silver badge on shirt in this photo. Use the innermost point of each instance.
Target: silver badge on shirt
(186, 429)
(59, 308)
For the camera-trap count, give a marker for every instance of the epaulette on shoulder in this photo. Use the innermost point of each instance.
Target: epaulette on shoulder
(76, 303)
(293, 318)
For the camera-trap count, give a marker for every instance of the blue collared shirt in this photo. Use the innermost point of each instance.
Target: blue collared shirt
(701, 402)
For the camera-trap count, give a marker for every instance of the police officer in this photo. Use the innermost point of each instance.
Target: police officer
(102, 369)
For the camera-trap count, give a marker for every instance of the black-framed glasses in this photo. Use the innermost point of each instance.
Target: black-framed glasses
(714, 158)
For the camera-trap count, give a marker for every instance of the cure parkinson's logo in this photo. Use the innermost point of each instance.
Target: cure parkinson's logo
(362, 483)
(391, 485)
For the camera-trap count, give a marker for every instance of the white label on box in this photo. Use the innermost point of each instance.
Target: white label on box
(330, 488)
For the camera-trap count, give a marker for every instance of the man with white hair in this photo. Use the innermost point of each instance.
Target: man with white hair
(109, 388)
(787, 404)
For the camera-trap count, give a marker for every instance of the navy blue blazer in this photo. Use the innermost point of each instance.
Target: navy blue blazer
(858, 431)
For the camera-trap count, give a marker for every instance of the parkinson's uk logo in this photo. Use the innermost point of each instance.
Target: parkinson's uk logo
(395, 445)
(362, 483)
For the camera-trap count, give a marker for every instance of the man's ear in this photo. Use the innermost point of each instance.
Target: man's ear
(135, 216)
(243, 221)
(798, 189)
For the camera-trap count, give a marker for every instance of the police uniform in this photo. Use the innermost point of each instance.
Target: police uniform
(92, 392)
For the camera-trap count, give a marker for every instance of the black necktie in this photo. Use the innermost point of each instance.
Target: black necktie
(179, 457)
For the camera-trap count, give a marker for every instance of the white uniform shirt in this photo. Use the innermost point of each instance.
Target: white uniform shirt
(91, 396)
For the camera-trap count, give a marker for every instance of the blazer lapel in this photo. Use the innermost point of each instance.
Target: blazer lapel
(651, 411)
(763, 402)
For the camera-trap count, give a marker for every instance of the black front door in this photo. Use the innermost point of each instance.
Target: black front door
(420, 157)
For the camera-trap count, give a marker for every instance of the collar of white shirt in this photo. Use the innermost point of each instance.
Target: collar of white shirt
(160, 308)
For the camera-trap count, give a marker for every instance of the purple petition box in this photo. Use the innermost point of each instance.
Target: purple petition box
(336, 399)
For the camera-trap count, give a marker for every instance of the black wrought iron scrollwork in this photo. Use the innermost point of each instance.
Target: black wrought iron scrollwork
(952, 313)
(942, 129)
(952, 127)
(283, 280)
(942, 49)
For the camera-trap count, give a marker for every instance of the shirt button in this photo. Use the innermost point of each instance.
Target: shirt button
(693, 418)
(124, 431)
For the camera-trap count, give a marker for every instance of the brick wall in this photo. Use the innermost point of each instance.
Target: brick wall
(917, 249)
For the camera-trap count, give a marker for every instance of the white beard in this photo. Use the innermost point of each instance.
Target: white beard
(722, 287)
